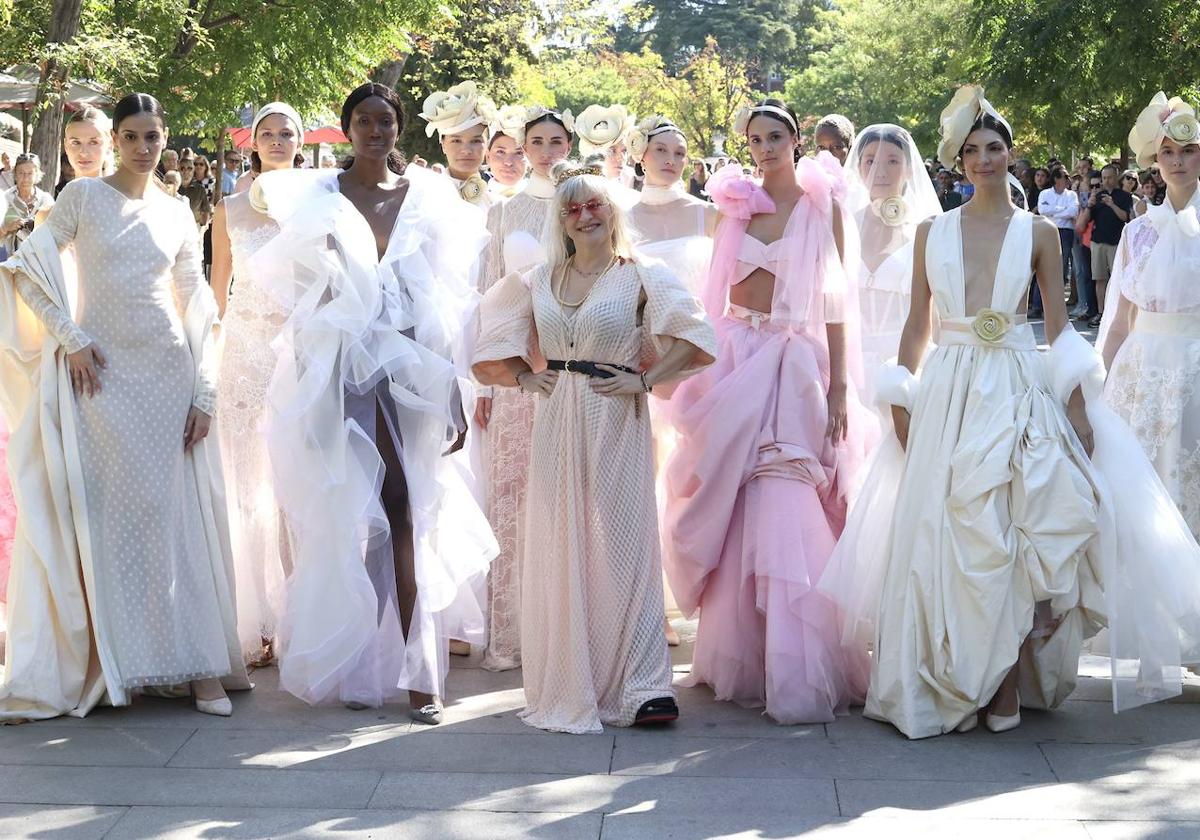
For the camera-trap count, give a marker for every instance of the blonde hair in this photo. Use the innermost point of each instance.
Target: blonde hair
(576, 190)
(95, 117)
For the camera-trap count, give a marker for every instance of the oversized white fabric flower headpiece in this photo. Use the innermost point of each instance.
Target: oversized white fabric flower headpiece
(601, 128)
(965, 108)
(510, 121)
(455, 110)
(536, 112)
(742, 121)
(1161, 119)
(638, 139)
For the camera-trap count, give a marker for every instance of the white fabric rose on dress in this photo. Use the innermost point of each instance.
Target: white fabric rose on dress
(1161, 119)
(454, 110)
(601, 128)
(991, 326)
(892, 211)
(473, 189)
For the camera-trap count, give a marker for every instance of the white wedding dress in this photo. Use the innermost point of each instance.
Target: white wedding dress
(1004, 529)
(253, 319)
(1154, 376)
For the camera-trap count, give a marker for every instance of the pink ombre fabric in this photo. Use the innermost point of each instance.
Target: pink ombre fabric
(756, 491)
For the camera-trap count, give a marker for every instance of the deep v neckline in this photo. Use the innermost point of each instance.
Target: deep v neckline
(962, 259)
(379, 258)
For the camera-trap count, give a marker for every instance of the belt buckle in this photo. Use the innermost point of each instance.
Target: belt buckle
(570, 366)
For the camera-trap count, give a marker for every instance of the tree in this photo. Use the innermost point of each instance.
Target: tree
(769, 35)
(206, 60)
(488, 41)
(1082, 72)
(882, 61)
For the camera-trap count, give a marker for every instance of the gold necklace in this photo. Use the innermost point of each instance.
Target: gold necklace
(562, 304)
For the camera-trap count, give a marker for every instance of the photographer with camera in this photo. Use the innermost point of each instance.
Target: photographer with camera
(28, 205)
(1108, 208)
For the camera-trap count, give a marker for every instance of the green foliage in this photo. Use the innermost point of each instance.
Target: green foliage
(206, 60)
(1081, 72)
(885, 61)
(487, 41)
(766, 34)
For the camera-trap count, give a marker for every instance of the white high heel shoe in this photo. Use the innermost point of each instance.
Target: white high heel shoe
(1003, 723)
(221, 707)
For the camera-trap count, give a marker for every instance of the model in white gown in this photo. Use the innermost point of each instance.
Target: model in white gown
(367, 363)
(889, 194)
(1151, 330)
(509, 427)
(110, 497)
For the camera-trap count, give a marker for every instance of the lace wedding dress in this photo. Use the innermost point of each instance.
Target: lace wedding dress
(252, 321)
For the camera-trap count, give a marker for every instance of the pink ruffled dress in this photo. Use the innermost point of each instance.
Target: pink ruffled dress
(756, 489)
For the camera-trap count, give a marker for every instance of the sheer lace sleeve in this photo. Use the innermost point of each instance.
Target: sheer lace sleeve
(673, 314)
(62, 223)
(58, 323)
(191, 289)
(506, 329)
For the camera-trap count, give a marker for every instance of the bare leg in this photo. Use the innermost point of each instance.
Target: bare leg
(669, 631)
(394, 496)
(1006, 703)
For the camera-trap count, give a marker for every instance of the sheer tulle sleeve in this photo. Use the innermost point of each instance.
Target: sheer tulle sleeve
(192, 292)
(62, 223)
(673, 314)
(506, 329)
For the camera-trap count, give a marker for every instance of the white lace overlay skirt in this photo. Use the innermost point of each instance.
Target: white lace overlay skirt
(1152, 387)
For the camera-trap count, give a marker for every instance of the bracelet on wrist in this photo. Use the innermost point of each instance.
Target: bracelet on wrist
(645, 384)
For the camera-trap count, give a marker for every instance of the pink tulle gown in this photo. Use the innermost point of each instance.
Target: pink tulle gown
(756, 489)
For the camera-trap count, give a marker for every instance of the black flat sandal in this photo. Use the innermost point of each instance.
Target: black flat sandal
(657, 711)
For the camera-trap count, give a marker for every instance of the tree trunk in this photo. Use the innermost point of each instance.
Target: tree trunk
(389, 72)
(47, 132)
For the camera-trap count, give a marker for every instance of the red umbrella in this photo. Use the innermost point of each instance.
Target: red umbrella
(324, 134)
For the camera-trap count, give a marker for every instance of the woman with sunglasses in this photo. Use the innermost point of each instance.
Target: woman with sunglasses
(608, 328)
(506, 416)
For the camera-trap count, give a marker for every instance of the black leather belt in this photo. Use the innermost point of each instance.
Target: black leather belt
(586, 368)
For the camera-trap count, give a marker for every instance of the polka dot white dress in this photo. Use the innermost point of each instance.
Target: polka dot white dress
(155, 592)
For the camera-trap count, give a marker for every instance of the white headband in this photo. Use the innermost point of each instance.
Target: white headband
(278, 108)
(742, 121)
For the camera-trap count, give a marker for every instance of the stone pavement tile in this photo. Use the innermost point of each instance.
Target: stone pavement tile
(1005, 800)
(49, 743)
(949, 759)
(1173, 764)
(1143, 830)
(1076, 721)
(426, 748)
(262, 823)
(18, 822)
(170, 786)
(266, 707)
(599, 793)
(746, 825)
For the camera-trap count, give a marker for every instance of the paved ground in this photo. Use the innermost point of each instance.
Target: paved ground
(281, 769)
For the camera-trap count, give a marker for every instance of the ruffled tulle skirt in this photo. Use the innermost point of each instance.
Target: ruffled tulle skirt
(754, 509)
